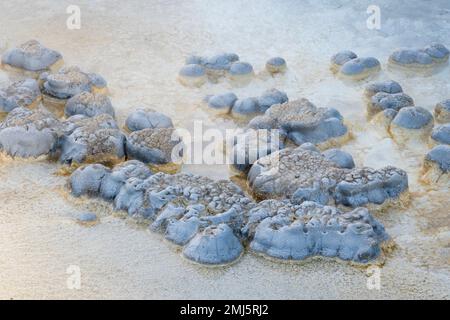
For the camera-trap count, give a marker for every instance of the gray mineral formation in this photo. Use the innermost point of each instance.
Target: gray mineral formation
(301, 121)
(307, 175)
(214, 220)
(70, 81)
(29, 133)
(89, 104)
(296, 232)
(23, 93)
(153, 145)
(31, 56)
(147, 118)
(95, 139)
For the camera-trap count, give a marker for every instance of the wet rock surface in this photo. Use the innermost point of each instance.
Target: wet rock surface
(199, 69)
(245, 108)
(23, 93)
(70, 81)
(427, 57)
(276, 65)
(29, 133)
(147, 118)
(348, 65)
(296, 232)
(214, 220)
(301, 121)
(89, 104)
(153, 145)
(91, 139)
(307, 175)
(31, 56)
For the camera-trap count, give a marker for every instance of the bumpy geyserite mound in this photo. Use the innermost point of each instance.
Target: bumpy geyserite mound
(180, 202)
(427, 57)
(31, 56)
(307, 175)
(214, 219)
(436, 166)
(147, 118)
(95, 139)
(29, 133)
(89, 104)
(23, 93)
(70, 81)
(301, 122)
(282, 230)
(153, 145)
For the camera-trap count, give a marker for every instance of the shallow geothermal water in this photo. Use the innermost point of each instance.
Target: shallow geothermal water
(139, 46)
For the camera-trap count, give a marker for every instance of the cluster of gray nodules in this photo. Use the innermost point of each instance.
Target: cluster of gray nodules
(386, 95)
(89, 104)
(70, 81)
(79, 138)
(307, 175)
(429, 56)
(347, 64)
(247, 107)
(147, 118)
(300, 121)
(31, 56)
(441, 156)
(23, 93)
(215, 66)
(214, 221)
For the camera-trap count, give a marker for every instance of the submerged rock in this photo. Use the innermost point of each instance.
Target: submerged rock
(276, 65)
(442, 111)
(95, 139)
(359, 68)
(222, 103)
(23, 93)
(436, 165)
(246, 108)
(192, 75)
(240, 70)
(89, 104)
(441, 134)
(307, 175)
(301, 122)
(29, 133)
(87, 218)
(382, 101)
(70, 81)
(427, 57)
(340, 58)
(146, 118)
(411, 124)
(153, 145)
(297, 232)
(32, 56)
(271, 97)
(388, 86)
